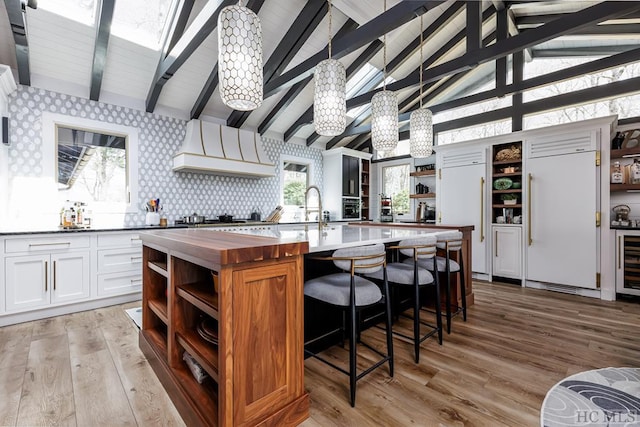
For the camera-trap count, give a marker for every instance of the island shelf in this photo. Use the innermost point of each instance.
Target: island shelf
(254, 361)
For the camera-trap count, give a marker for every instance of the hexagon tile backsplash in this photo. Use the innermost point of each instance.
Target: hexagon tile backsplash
(160, 138)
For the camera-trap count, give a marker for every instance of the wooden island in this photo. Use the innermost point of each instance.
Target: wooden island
(248, 284)
(251, 287)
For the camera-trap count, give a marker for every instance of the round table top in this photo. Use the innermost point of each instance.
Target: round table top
(601, 397)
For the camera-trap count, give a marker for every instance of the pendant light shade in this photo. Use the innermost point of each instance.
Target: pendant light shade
(421, 133)
(329, 99)
(384, 111)
(240, 58)
(384, 120)
(421, 121)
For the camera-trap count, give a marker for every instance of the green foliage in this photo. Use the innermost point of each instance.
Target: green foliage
(509, 196)
(401, 201)
(294, 193)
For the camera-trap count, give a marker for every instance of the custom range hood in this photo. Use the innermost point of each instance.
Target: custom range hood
(222, 150)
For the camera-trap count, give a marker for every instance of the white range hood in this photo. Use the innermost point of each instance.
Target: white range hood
(222, 150)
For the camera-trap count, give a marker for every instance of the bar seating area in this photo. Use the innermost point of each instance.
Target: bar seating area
(393, 280)
(352, 292)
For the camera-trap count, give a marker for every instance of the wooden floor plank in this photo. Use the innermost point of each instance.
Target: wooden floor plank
(47, 394)
(494, 370)
(99, 397)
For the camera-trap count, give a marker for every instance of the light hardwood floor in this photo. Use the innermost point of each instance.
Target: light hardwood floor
(85, 369)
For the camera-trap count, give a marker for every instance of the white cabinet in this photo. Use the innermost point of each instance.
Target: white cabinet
(461, 198)
(119, 264)
(507, 251)
(27, 282)
(561, 235)
(38, 280)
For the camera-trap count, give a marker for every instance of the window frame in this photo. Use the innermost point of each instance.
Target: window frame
(50, 124)
(285, 158)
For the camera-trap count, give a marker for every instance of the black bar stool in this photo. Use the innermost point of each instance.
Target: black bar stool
(409, 273)
(352, 292)
(451, 243)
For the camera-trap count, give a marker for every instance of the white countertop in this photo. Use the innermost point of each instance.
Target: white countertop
(337, 236)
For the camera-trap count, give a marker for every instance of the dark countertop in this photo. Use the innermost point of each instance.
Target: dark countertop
(13, 232)
(8, 231)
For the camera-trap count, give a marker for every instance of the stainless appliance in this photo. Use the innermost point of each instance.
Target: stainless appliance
(350, 208)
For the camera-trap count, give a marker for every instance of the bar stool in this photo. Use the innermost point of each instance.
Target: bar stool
(451, 243)
(352, 292)
(409, 273)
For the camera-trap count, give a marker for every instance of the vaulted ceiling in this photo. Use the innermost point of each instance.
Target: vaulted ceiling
(466, 44)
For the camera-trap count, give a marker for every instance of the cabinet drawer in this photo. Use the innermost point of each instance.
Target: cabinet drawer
(114, 260)
(106, 240)
(46, 243)
(119, 283)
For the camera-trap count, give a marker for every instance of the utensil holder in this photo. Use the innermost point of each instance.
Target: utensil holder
(152, 218)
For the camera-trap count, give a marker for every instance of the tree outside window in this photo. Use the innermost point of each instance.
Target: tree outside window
(395, 183)
(296, 181)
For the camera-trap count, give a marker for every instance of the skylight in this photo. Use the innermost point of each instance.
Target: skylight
(141, 22)
(77, 10)
(358, 84)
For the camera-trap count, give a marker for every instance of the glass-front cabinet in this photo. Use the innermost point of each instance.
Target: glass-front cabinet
(628, 262)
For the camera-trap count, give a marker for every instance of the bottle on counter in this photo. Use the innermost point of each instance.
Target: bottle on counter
(616, 173)
(635, 171)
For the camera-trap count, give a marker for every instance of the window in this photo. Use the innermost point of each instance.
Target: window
(395, 183)
(92, 162)
(91, 166)
(295, 178)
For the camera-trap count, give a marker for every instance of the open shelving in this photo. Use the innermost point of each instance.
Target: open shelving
(507, 164)
(364, 193)
(205, 301)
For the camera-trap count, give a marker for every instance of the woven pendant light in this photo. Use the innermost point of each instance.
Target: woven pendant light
(329, 98)
(384, 112)
(240, 58)
(421, 123)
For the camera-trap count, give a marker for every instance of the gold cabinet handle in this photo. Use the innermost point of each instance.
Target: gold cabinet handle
(496, 240)
(619, 252)
(54, 275)
(46, 276)
(529, 208)
(481, 209)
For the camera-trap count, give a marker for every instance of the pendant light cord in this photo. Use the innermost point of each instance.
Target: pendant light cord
(384, 55)
(330, 19)
(421, 61)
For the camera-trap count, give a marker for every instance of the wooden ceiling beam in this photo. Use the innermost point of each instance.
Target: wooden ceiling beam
(531, 83)
(433, 58)
(18, 23)
(393, 18)
(440, 22)
(178, 25)
(198, 31)
(103, 31)
(567, 25)
(295, 90)
(299, 32)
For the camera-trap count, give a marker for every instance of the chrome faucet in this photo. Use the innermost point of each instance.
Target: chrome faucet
(307, 210)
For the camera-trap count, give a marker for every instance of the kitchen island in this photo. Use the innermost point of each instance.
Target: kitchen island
(249, 287)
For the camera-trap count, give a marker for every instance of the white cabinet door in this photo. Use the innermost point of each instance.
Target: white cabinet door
(70, 274)
(507, 251)
(27, 282)
(561, 231)
(461, 201)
